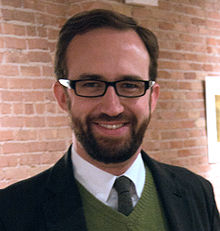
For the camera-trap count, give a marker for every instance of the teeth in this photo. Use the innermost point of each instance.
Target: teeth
(112, 126)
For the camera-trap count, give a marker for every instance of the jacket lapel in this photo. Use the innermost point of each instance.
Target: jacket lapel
(62, 205)
(175, 199)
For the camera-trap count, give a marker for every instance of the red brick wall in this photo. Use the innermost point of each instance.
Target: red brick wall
(34, 132)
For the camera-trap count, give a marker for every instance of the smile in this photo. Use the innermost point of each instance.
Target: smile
(111, 126)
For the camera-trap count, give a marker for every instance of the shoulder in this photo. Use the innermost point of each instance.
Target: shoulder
(20, 203)
(35, 185)
(25, 202)
(186, 177)
(22, 192)
(196, 192)
(180, 176)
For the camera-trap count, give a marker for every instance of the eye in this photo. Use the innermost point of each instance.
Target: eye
(90, 84)
(129, 85)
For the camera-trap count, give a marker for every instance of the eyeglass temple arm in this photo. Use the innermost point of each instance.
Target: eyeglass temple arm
(65, 83)
(151, 83)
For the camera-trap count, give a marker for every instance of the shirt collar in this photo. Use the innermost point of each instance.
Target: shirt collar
(137, 174)
(100, 183)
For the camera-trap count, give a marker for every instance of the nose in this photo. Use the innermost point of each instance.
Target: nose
(110, 103)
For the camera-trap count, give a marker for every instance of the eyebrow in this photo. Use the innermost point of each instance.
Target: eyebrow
(131, 77)
(87, 76)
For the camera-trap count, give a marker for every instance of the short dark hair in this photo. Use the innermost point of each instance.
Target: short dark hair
(100, 18)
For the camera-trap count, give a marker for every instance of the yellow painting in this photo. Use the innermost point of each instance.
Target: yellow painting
(217, 106)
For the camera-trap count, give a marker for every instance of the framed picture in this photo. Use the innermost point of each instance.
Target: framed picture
(213, 117)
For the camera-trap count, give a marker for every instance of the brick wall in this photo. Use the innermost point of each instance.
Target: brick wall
(34, 132)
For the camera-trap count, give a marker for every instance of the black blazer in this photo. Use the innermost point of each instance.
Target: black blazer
(50, 201)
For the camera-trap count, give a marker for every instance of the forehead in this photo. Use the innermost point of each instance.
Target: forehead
(106, 49)
(107, 37)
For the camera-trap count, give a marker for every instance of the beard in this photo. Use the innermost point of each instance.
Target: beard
(109, 149)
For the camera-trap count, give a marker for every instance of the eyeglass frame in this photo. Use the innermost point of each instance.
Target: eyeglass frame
(70, 84)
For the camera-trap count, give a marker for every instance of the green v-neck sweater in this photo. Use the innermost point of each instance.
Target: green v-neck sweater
(147, 215)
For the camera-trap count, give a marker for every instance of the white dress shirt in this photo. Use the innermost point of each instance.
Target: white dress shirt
(100, 183)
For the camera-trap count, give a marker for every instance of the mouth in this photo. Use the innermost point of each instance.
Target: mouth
(111, 128)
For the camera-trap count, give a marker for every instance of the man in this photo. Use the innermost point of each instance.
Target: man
(106, 67)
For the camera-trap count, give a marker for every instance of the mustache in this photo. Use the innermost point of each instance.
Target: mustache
(105, 117)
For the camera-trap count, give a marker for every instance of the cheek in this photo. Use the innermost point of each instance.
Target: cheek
(143, 113)
(80, 108)
(141, 108)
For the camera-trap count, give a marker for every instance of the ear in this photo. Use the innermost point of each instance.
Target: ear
(154, 96)
(61, 96)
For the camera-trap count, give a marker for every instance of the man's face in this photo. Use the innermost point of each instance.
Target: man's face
(110, 128)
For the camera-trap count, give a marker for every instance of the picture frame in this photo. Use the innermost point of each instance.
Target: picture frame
(212, 87)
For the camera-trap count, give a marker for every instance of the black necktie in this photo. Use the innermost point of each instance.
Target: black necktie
(122, 186)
